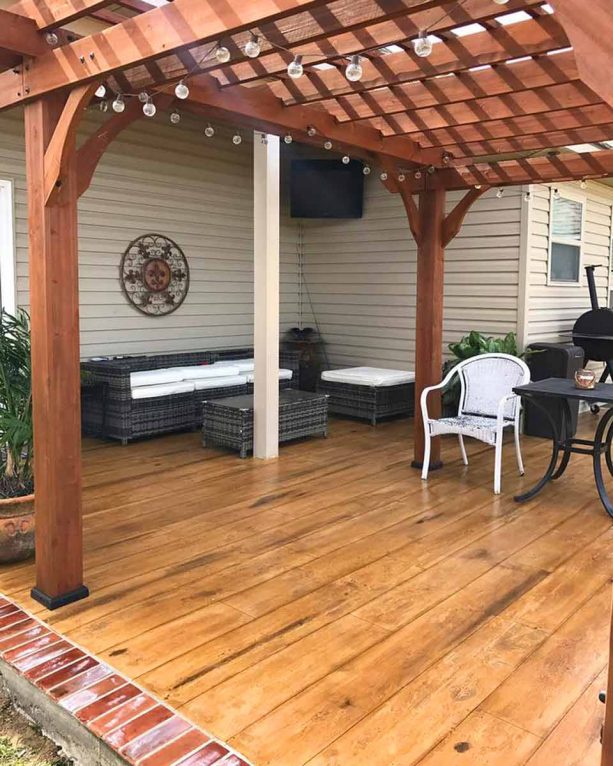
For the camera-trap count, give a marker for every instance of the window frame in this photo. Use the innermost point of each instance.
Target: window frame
(582, 200)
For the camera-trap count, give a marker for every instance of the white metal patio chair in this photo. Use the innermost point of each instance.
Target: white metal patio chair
(487, 406)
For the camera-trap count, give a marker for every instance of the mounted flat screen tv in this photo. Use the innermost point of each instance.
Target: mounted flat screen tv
(326, 189)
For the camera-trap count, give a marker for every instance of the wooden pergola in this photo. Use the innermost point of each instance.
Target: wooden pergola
(506, 88)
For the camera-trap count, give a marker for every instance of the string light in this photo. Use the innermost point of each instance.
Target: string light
(328, 145)
(149, 109)
(311, 131)
(252, 47)
(295, 69)
(501, 2)
(100, 91)
(417, 175)
(366, 170)
(119, 104)
(346, 159)
(222, 54)
(383, 176)
(499, 192)
(556, 194)
(402, 177)
(181, 91)
(288, 138)
(143, 97)
(52, 39)
(104, 106)
(583, 184)
(175, 117)
(422, 45)
(354, 70)
(209, 131)
(527, 196)
(237, 139)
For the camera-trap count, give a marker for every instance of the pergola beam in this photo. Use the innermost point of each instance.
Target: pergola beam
(140, 39)
(264, 112)
(20, 36)
(588, 26)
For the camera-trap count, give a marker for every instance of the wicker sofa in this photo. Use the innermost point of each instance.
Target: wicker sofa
(116, 414)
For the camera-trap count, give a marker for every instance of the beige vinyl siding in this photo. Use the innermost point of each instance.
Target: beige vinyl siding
(552, 309)
(361, 277)
(172, 181)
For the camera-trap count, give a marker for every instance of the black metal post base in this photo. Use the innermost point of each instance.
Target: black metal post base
(55, 602)
(433, 466)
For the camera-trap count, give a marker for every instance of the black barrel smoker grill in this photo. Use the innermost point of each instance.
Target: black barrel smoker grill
(593, 331)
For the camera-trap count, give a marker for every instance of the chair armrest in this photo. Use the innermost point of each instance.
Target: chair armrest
(424, 394)
(501, 407)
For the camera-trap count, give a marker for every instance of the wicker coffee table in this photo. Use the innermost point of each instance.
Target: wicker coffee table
(228, 422)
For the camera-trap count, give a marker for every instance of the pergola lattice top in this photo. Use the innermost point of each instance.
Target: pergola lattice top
(506, 89)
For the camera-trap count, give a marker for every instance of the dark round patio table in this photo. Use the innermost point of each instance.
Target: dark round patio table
(563, 446)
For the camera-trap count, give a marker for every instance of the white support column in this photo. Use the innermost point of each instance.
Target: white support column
(266, 294)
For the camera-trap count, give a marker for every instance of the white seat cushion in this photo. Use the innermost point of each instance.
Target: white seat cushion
(243, 365)
(283, 375)
(162, 389)
(200, 371)
(477, 426)
(368, 376)
(222, 382)
(154, 377)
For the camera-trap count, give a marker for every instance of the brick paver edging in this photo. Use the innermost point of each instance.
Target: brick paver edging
(139, 728)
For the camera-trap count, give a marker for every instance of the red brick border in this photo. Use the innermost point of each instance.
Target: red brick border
(136, 725)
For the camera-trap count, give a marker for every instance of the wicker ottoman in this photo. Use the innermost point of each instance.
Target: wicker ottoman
(369, 393)
(228, 422)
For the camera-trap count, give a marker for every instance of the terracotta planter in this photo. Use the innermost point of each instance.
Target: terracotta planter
(16, 528)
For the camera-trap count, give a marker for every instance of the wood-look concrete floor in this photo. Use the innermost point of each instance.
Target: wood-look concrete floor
(330, 608)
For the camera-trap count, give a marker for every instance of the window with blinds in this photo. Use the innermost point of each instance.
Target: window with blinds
(566, 232)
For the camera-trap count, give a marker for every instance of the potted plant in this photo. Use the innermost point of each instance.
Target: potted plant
(16, 442)
(470, 345)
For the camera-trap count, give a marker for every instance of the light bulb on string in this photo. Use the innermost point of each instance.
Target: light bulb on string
(222, 54)
(311, 131)
(499, 192)
(149, 108)
(556, 194)
(175, 117)
(327, 145)
(181, 90)
(52, 39)
(402, 177)
(237, 139)
(252, 47)
(422, 45)
(354, 70)
(366, 170)
(143, 97)
(104, 106)
(209, 131)
(501, 2)
(119, 104)
(295, 69)
(527, 196)
(346, 159)
(583, 184)
(100, 91)
(288, 138)
(383, 176)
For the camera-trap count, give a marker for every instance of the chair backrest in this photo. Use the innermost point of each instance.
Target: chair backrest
(486, 379)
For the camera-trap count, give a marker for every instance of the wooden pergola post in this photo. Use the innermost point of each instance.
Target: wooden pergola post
(50, 123)
(429, 315)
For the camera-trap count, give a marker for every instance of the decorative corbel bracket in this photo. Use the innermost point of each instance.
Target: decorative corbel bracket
(454, 220)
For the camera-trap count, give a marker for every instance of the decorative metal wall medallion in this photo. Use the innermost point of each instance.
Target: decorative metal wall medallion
(154, 274)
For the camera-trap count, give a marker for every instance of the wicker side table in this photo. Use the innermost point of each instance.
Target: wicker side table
(228, 422)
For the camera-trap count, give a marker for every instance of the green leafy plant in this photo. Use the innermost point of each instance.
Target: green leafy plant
(16, 431)
(474, 344)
